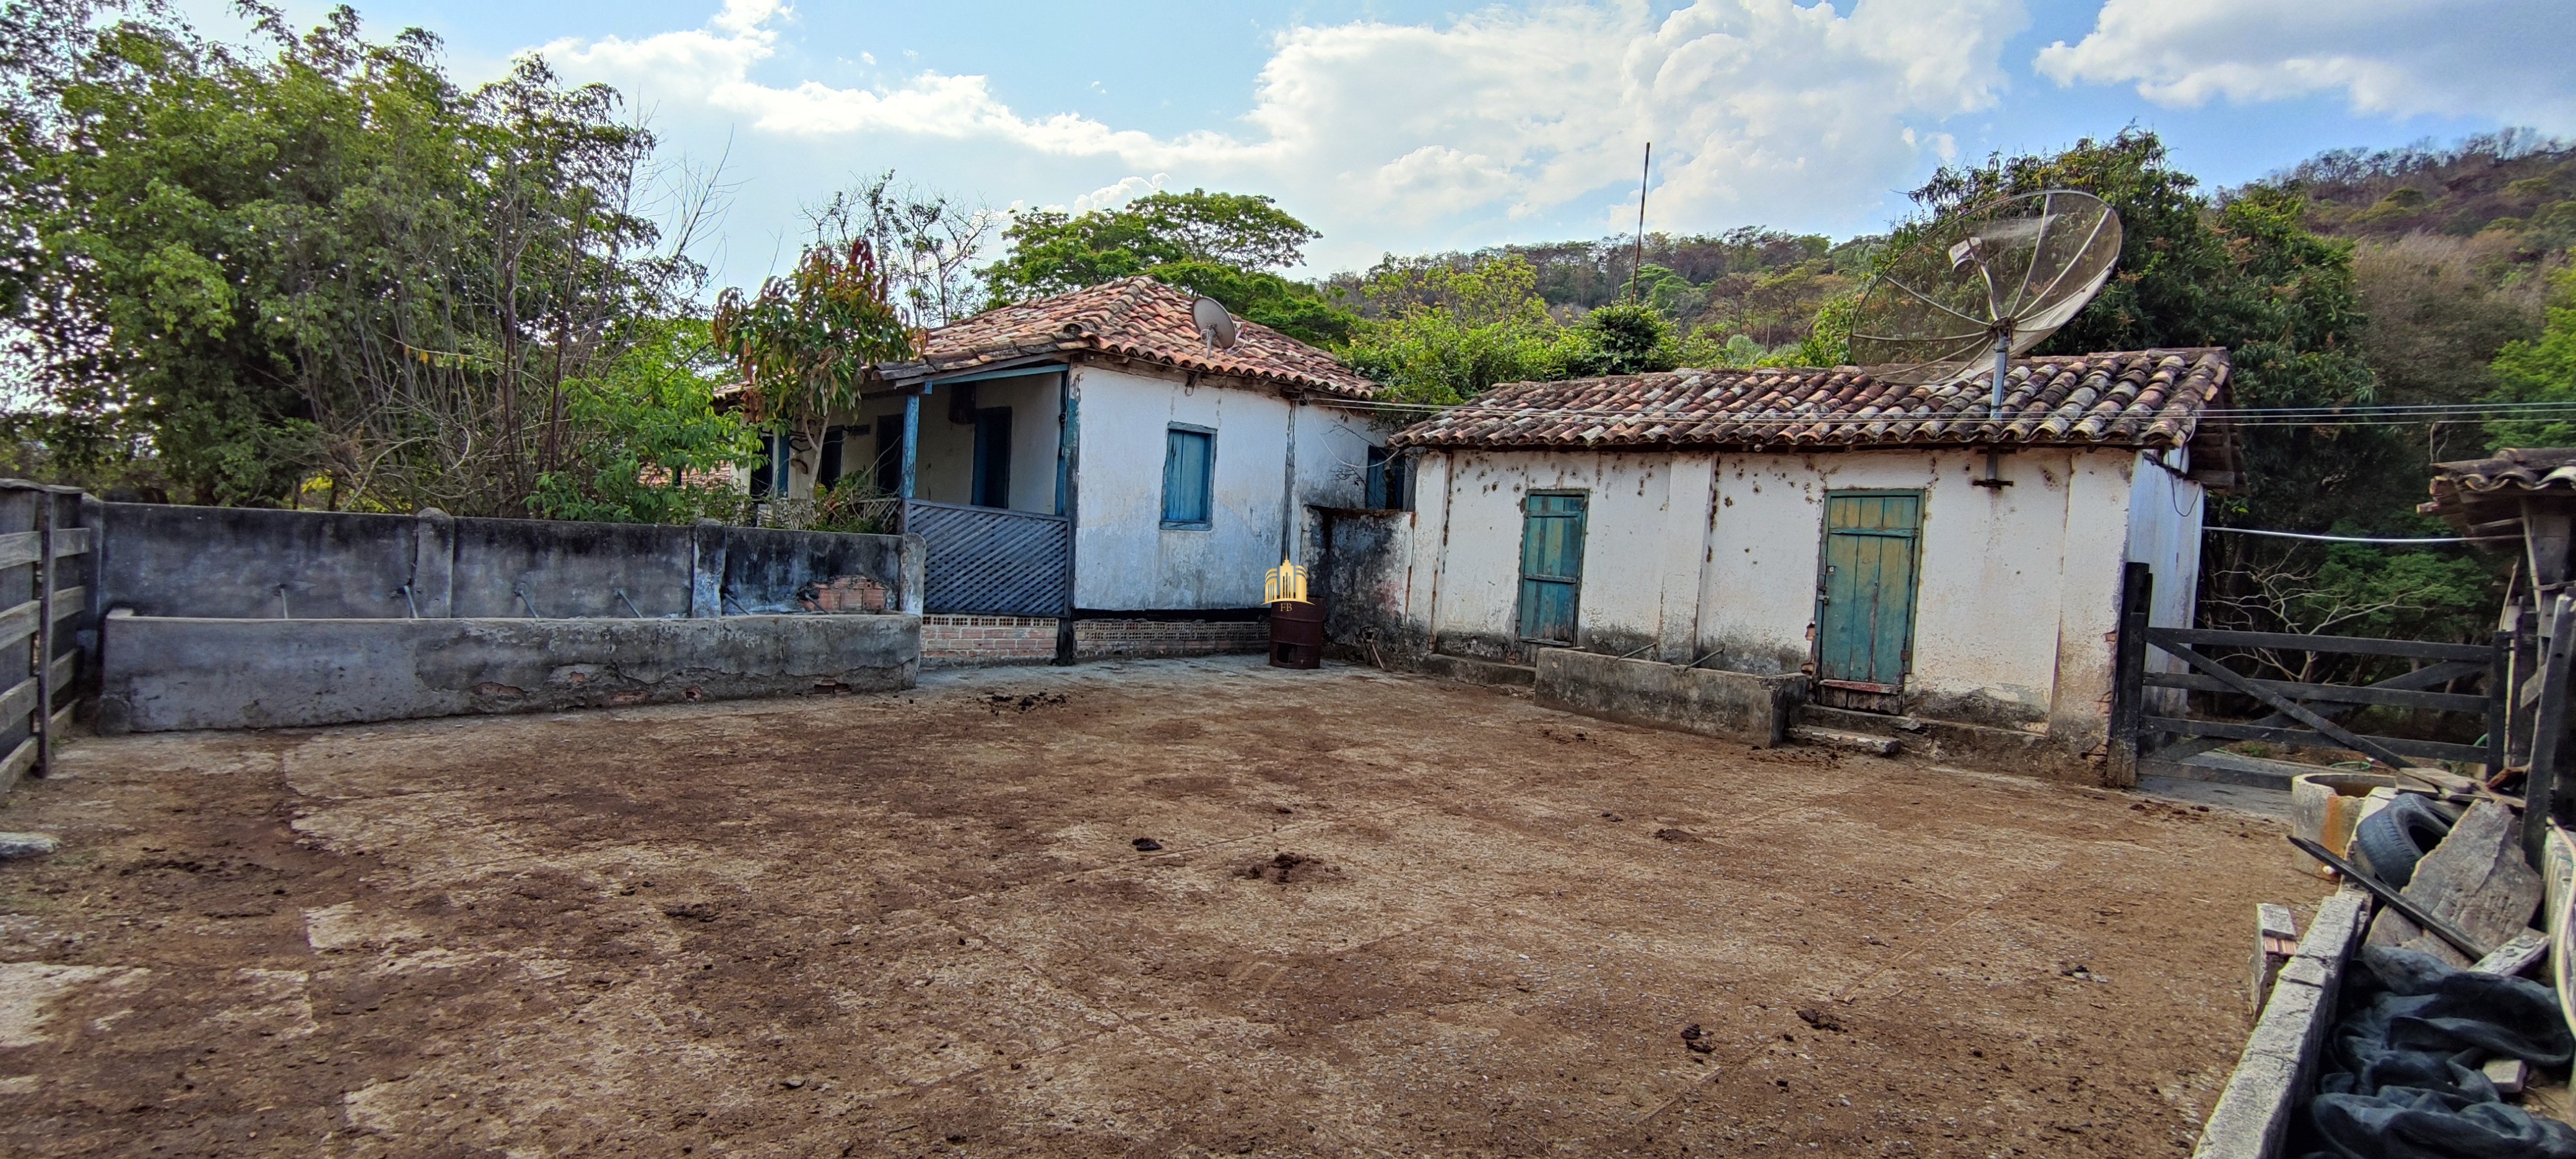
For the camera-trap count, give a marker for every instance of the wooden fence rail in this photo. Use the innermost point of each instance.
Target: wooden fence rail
(47, 558)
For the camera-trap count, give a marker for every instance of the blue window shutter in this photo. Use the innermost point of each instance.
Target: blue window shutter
(1186, 483)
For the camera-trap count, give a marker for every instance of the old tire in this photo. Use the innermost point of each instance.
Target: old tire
(2389, 842)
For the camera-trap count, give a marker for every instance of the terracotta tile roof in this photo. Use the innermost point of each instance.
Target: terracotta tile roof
(2148, 398)
(1134, 317)
(2476, 492)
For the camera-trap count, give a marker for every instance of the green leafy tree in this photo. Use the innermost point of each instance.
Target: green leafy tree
(316, 257)
(808, 343)
(2540, 370)
(1224, 245)
(1623, 338)
(1443, 334)
(658, 450)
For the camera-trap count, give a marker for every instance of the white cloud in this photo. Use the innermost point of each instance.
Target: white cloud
(1376, 132)
(1119, 193)
(2492, 59)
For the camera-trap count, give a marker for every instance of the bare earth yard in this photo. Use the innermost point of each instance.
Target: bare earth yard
(1388, 915)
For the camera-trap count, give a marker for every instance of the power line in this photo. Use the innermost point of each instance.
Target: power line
(2362, 538)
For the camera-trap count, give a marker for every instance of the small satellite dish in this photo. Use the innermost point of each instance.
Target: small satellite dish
(1216, 325)
(1994, 279)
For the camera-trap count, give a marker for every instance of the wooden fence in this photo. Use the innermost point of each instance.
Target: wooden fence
(987, 561)
(48, 538)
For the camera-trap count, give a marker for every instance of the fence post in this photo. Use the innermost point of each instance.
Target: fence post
(43, 720)
(2499, 701)
(2543, 792)
(2128, 672)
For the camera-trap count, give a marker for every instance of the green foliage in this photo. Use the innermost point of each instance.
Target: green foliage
(658, 451)
(1295, 309)
(808, 343)
(2540, 370)
(1436, 333)
(1223, 245)
(319, 257)
(1623, 339)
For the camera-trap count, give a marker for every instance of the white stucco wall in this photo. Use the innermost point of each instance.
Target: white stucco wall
(1716, 556)
(1124, 558)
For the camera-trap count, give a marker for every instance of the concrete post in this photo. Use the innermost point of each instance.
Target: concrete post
(707, 569)
(912, 559)
(433, 565)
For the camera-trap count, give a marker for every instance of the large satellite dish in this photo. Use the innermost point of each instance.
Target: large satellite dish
(1992, 280)
(1215, 323)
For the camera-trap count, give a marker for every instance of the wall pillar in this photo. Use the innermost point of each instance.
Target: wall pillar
(433, 566)
(707, 569)
(911, 441)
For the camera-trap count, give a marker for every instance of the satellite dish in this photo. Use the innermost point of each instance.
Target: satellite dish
(1994, 279)
(1216, 325)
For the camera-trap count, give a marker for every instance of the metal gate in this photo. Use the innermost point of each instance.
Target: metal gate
(2152, 729)
(986, 561)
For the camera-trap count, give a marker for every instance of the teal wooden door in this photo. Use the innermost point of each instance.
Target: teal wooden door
(1865, 611)
(1551, 566)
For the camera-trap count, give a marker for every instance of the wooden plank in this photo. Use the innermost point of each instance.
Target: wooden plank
(19, 548)
(2425, 677)
(2332, 693)
(71, 541)
(2475, 879)
(18, 622)
(66, 668)
(2519, 953)
(19, 760)
(2253, 1111)
(2549, 725)
(2351, 740)
(2292, 641)
(2129, 668)
(70, 602)
(19, 700)
(2303, 738)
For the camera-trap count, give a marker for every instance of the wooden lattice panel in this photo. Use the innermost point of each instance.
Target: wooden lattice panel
(986, 561)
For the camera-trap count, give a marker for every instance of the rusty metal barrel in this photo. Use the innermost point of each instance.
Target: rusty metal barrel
(1296, 635)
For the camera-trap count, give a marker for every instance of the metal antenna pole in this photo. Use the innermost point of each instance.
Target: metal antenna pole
(2003, 357)
(1639, 266)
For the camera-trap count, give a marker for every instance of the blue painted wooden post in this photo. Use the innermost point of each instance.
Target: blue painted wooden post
(911, 440)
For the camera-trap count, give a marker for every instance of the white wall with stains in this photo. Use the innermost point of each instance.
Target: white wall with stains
(1715, 557)
(1125, 560)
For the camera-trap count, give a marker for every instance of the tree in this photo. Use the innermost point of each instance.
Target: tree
(2540, 370)
(808, 343)
(926, 240)
(1224, 245)
(658, 450)
(316, 258)
(1440, 334)
(1623, 338)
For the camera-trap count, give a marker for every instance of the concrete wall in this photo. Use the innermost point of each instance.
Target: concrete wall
(1736, 705)
(1714, 557)
(228, 562)
(164, 673)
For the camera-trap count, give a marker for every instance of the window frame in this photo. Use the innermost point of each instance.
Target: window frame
(1207, 480)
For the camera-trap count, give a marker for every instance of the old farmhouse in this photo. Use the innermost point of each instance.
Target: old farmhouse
(1894, 545)
(1094, 475)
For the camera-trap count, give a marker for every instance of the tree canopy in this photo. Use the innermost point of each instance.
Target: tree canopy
(315, 259)
(1224, 245)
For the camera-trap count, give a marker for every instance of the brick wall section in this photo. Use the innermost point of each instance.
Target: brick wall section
(1142, 639)
(955, 641)
(959, 641)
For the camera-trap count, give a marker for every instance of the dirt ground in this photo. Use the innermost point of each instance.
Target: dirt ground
(1387, 915)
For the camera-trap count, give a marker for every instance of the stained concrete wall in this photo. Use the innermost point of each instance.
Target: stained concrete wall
(161, 560)
(165, 673)
(1736, 705)
(1268, 449)
(1715, 557)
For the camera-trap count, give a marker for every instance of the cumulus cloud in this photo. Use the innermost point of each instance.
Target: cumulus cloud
(1759, 109)
(2500, 59)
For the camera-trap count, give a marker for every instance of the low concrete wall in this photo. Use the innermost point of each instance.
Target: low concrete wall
(161, 560)
(1736, 705)
(164, 673)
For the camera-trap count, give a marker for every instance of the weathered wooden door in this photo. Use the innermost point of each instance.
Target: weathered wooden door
(1551, 565)
(1865, 602)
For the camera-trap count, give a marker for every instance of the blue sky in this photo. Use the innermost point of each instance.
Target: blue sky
(1405, 127)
